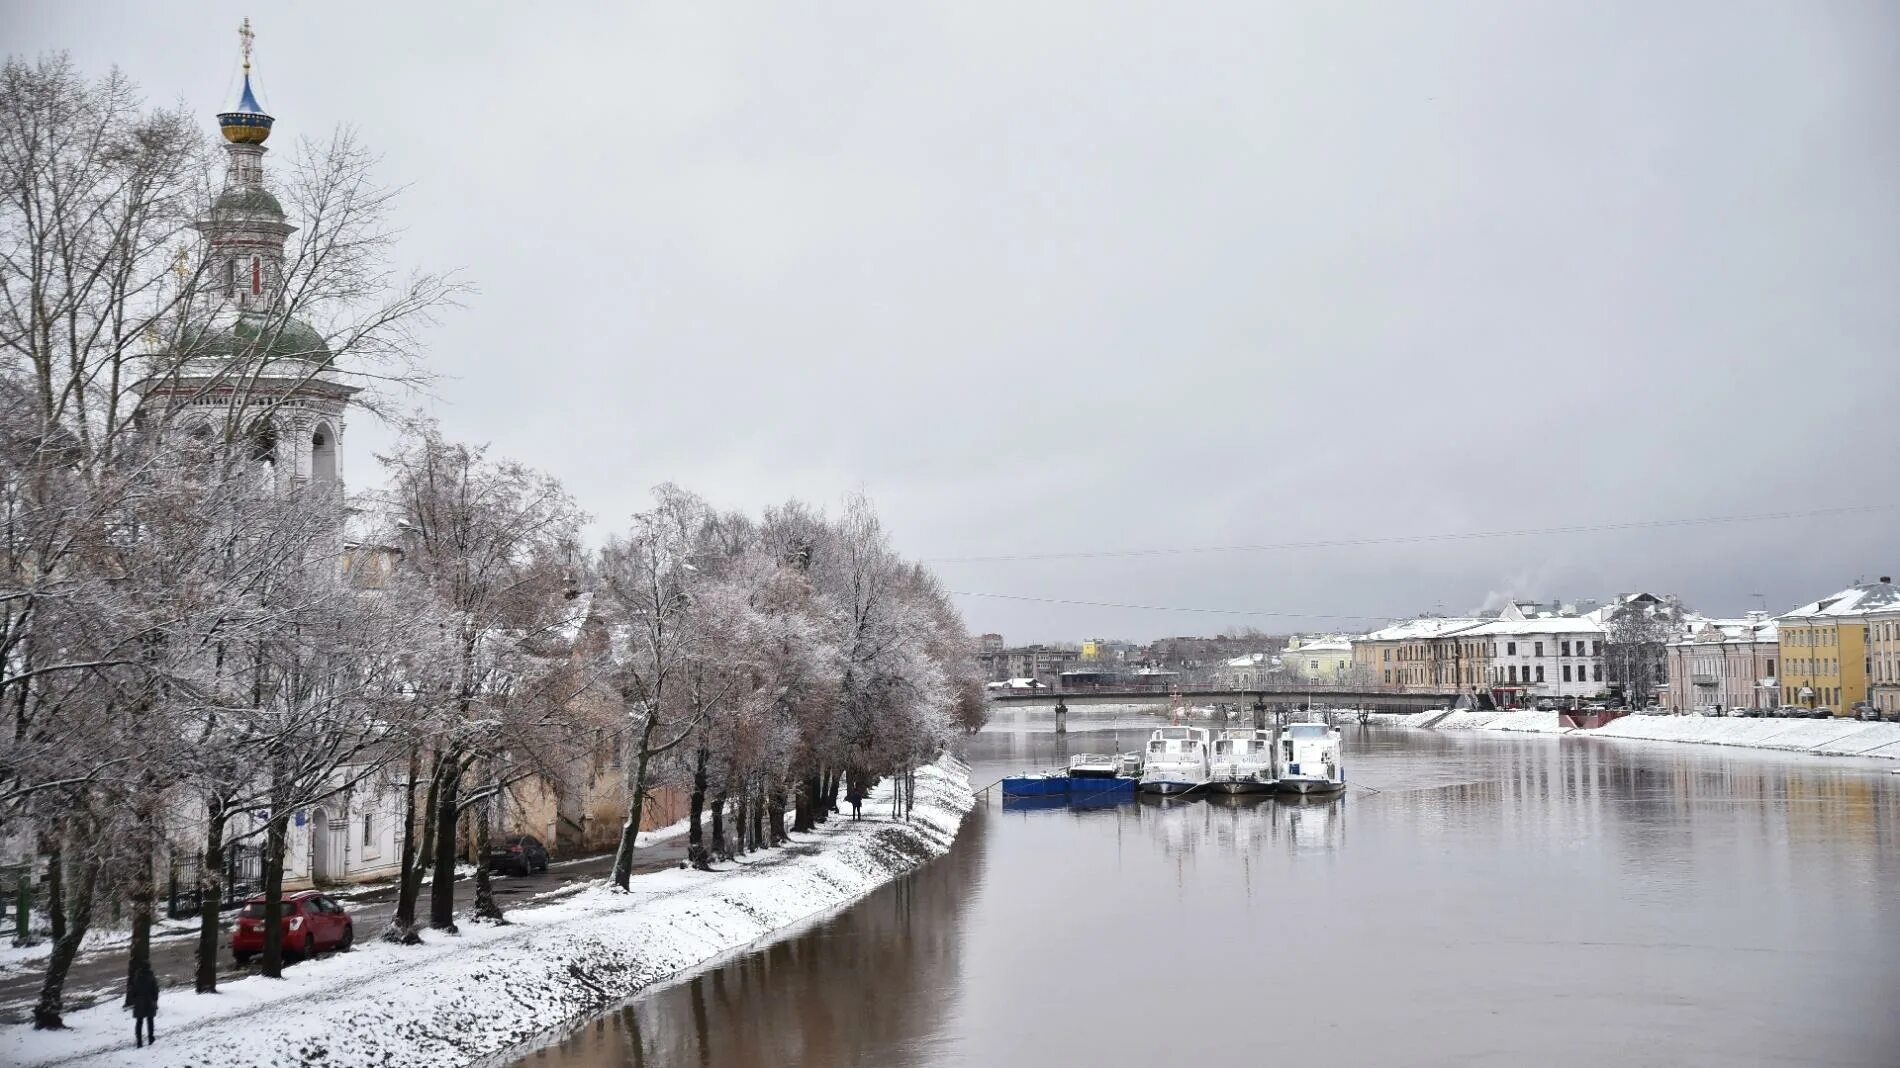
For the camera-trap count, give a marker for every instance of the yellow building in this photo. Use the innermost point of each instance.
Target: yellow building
(1824, 651)
(1408, 656)
(1326, 661)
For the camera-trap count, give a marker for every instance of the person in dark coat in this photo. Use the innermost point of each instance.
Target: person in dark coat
(144, 996)
(855, 795)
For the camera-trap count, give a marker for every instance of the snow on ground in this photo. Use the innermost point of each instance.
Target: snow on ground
(492, 989)
(1828, 737)
(98, 939)
(167, 928)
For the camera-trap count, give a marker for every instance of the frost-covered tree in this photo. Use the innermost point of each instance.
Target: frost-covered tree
(484, 537)
(127, 539)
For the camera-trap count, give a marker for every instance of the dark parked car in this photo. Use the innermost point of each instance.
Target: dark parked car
(1823, 712)
(312, 922)
(521, 854)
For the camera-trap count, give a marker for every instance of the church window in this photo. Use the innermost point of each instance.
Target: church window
(323, 455)
(257, 276)
(230, 278)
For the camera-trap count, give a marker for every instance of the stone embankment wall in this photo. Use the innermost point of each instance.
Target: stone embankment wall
(1827, 737)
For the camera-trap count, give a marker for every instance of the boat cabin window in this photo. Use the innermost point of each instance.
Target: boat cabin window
(1157, 746)
(1307, 730)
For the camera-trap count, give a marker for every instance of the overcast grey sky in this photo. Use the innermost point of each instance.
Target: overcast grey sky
(1050, 277)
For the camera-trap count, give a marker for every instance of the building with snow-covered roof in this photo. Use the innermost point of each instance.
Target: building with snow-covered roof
(1252, 671)
(1883, 660)
(1421, 655)
(1825, 657)
(1725, 663)
(1548, 658)
(1326, 660)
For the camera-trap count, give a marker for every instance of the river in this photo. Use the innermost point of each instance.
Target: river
(1475, 899)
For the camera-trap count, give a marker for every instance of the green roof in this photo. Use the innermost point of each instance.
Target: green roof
(262, 335)
(248, 198)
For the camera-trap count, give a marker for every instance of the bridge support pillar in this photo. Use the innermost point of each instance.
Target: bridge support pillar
(1062, 717)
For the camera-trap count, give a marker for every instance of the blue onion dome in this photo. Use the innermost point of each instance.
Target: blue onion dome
(247, 125)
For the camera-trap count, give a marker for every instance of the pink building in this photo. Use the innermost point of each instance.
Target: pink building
(1726, 662)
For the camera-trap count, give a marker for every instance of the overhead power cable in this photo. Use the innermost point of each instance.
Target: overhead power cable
(1164, 608)
(1411, 539)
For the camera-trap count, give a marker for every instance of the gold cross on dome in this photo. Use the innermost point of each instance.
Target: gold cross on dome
(245, 37)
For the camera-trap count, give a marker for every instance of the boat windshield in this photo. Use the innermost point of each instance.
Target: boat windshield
(1308, 730)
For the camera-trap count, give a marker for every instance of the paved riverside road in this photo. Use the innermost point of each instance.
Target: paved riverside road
(100, 975)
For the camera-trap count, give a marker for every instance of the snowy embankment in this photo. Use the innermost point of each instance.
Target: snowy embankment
(492, 989)
(1826, 737)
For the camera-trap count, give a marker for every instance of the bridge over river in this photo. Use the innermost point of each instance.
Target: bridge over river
(1273, 699)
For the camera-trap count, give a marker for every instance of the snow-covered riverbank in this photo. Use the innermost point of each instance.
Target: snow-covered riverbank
(1826, 737)
(491, 989)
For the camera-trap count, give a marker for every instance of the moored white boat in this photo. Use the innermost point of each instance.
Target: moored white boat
(1176, 761)
(1310, 760)
(1242, 762)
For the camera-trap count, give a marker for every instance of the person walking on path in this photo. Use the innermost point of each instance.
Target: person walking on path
(855, 795)
(144, 997)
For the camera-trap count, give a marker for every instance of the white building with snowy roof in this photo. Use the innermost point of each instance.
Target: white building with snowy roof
(1542, 658)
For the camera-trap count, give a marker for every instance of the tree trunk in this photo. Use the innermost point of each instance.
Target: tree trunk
(416, 841)
(48, 1012)
(442, 888)
(210, 898)
(742, 823)
(805, 803)
(56, 887)
(721, 849)
(276, 841)
(485, 906)
(775, 820)
(696, 854)
(820, 807)
(143, 891)
(636, 801)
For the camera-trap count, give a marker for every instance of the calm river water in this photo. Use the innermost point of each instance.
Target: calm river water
(1499, 900)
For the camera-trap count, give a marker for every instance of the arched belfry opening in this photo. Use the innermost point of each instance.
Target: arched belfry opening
(323, 454)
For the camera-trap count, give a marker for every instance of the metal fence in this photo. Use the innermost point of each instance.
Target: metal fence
(243, 877)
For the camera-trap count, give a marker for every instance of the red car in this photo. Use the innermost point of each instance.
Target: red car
(312, 923)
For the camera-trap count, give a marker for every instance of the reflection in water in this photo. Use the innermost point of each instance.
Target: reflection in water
(848, 991)
(1501, 900)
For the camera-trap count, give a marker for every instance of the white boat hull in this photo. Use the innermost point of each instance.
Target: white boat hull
(1310, 786)
(1241, 786)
